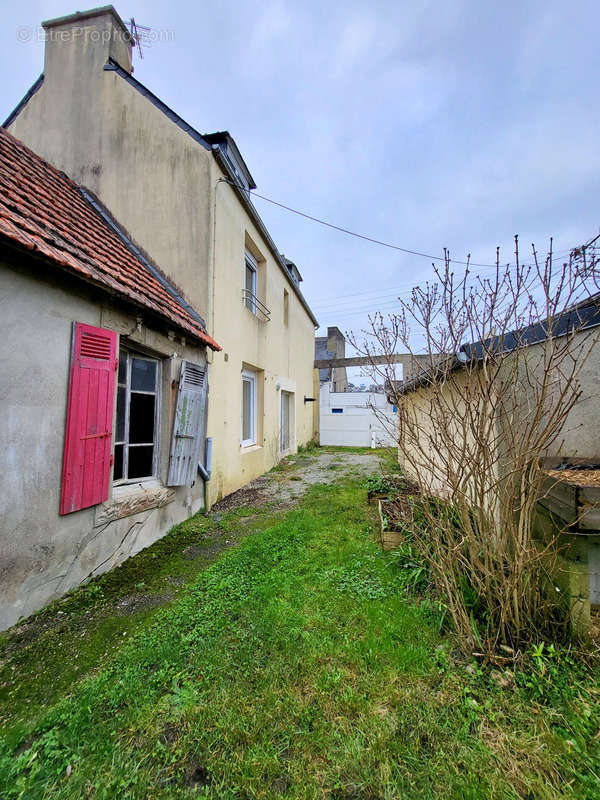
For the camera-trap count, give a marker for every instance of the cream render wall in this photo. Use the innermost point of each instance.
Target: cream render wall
(282, 353)
(432, 462)
(150, 174)
(580, 438)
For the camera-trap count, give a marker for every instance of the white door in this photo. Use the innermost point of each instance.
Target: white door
(284, 437)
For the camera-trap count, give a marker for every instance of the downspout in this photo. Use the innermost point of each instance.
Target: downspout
(206, 468)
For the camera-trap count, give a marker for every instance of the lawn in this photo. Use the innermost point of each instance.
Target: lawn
(296, 666)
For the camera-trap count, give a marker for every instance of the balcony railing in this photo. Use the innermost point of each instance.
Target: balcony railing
(252, 302)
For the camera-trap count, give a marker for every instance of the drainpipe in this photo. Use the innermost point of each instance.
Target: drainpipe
(205, 471)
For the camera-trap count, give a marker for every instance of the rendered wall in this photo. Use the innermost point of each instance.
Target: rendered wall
(42, 554)
(580, 437)
(283, 354)
(105, 135)
(578, 562)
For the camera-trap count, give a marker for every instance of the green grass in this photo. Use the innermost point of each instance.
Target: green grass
(41, 659)
(294, 666)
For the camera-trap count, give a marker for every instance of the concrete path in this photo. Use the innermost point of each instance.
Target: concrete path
(290, 480)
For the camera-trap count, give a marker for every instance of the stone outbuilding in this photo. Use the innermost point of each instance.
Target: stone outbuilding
(104, 392)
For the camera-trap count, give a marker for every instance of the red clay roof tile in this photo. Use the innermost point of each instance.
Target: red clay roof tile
(42, 210)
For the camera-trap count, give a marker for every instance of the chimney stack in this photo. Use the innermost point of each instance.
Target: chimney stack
(85, 40)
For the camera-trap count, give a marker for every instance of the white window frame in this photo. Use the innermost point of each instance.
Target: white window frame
(130, 355)
(250, 263)
(288, 397)
(251, 377)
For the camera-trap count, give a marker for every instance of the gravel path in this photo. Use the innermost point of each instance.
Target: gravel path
(282, 487)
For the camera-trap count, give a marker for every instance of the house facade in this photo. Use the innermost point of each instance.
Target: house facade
(105, 393)
(184, 200)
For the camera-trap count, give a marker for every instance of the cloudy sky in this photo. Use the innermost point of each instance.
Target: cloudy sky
(421, 124)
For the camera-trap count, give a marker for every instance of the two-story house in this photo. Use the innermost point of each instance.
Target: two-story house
(184, 199)
(117, 283)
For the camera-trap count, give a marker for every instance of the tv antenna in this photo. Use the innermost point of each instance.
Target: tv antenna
(141, 35)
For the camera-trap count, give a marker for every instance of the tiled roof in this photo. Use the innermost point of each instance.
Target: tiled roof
(42, 210)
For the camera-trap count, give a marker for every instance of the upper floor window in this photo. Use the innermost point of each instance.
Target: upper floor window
(251, 288)
(286, 307)
(250, 282)
(136, 435)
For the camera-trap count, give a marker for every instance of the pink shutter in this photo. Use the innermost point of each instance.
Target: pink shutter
(88, 436)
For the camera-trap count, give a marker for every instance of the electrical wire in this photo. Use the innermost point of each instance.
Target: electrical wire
(338, 315)
(252, 193)
(337, 300)
(406, 250)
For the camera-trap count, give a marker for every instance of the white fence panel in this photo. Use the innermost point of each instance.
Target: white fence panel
(347, 419)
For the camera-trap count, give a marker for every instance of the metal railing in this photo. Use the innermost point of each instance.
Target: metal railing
(252, 302)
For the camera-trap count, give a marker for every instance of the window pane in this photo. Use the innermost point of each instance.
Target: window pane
(141, 417)
(249, 279)
(251, 287)
(121, 398)
(118, 473)
(140, 462)
(122, 368)
(247, 432)
(143, 375)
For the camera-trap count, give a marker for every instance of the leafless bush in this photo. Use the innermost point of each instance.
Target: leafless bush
(500, 378)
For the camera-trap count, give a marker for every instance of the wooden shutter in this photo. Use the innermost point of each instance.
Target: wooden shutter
(88, 436)
(189, 426)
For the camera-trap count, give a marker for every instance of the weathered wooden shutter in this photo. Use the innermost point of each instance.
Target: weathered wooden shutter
(88, 435)
(189, 426)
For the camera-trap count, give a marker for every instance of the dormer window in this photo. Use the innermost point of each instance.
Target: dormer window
(293, 270)
(235, 164)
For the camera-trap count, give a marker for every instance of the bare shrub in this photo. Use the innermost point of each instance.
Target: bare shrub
(500, 377)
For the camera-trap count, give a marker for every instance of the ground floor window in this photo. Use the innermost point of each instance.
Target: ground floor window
(136, 435)
(249, 382)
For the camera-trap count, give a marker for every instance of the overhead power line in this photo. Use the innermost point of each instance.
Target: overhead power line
(367, 298)
(349, 232)
(371, 239)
